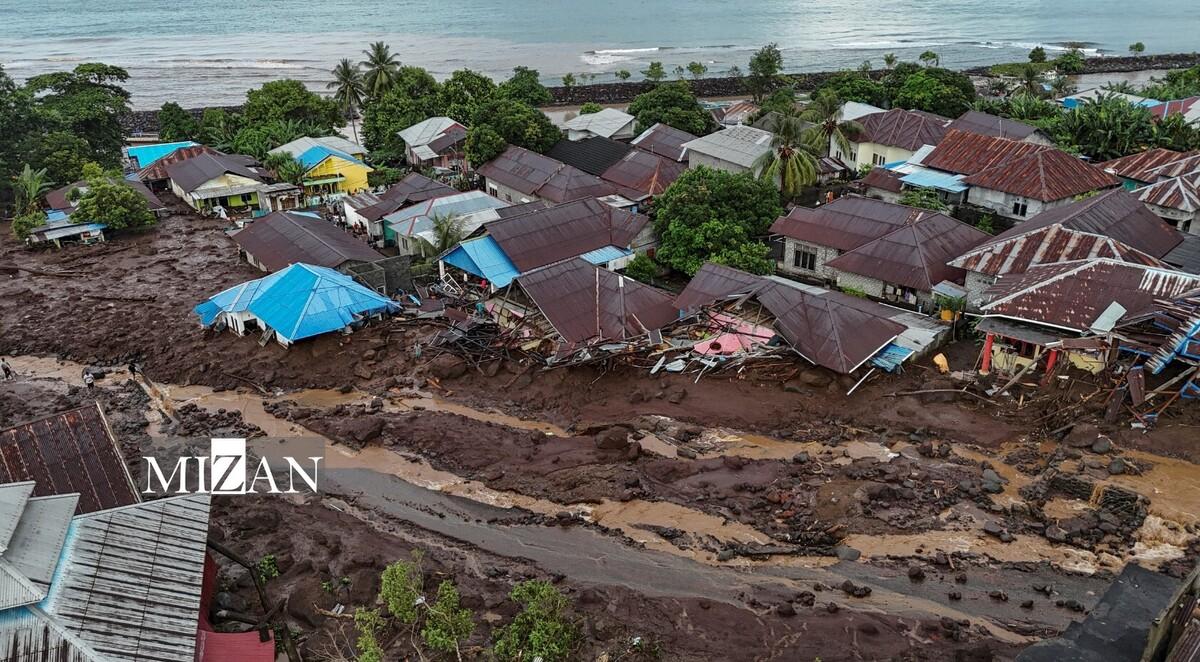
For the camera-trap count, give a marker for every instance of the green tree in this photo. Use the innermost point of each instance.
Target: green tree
(518, 124)
(525, 86)
(62, 153)
(87, 102)
(109, 200)
(929, 59)
(713, 215)
(679, 71)
(1070, 62)
(290, 100)
(697, 69)
(175, 123)
(655, 72)
(287, 169)
(543, 629)
(17, 126)
(889, 60)
(463, 92)
(782, 101)
(926, 91)
(483, 145)
(672, 104)
(1037, 55)
(853, 86)
(568, 81)
(792, 162)
(642, 268)
(825, 112)
(28, 188)
(1137, 48)
(765, 66)
(622, 74)
(368, 624)
(380, 66)
(923, 198)
(400, 588)
(447, 624)
(590, 108)
(1175, 132)
(348, 90)
(1105, 128)
(24, 224)
(448, 231)
(219, 128)
(384, 118)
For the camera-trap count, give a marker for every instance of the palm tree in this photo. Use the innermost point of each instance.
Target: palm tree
(792, 161)
(998, 87)
(826, 112)
(1031, 81)
(348, 89)
(930, 59)
(28, 188)
(447, 232)
(1061, 87)
(889, 60)
(287, 169)
(381, 69)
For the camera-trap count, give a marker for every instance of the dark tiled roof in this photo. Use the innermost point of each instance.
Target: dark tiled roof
(1046, 175)
(1138, 166)
(564, 231)
(639, 174)
(846, 223)
(883, 179)
(69, 452)
(905, 129)
(586, 303)
(592, 155)
(964, 153)
(190, 173)
(664, 140)
(991, 125)
(914, 255)
(284, 238)
(534, 174)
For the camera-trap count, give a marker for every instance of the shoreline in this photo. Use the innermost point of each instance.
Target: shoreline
(143, 122)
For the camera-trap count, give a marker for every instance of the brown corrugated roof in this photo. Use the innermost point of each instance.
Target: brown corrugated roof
(1181, 193)
(883, 179)
(414, 188)
(846, 223)
(905, 129)
(69, 452)
(1138, 166)
(663, 140)
(984, 124)
(57, 199)
(1184, 166)
(592, 155)
(284, 238)
(1046, 175)
(640, 174)
(714, 282)
(585, 303)
(192, 172)
(1048, 245)
(914, 255)
(534, 174)
(1072, 295)
(158, 170)
(966, 153)
(546, 236)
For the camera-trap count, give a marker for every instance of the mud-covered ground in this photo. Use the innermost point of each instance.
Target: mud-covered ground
(721, 519)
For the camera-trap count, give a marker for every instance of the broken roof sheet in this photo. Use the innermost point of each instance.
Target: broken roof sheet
(905, 129)
(607, 122)
(985, 124)
(741, 145)
(1046, 175)
(586, 303)
(564, 231)
(189, 174)
(713, 282)
(430, 130)
(914, 255)
(283, 238)
(592, 155)
(664, 140)
(1073, 295)
(639, 174)
(966, 153)
(846, 223)
(883, 179)
(534, 174)
(1185, 256)
(1139, 167)
(69, 452)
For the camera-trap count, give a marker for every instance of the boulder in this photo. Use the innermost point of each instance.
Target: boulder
(846, 553)
(1117, 466)
(1082, 435)
(1102, 445)
(614, 438)
(447, 366)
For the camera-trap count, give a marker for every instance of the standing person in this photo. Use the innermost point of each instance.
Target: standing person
(133, 369)
(89, 381)
(7, 369)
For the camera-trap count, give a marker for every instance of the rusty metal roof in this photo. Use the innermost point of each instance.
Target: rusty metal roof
(1117, 214)
(1138, 166)
(883, 179)
(284, 238)
(69, 452)
(1047, 245)
(664, 140)
(189, 174)
(639, 174)
(966, 153)
(1046, 175)
(1181, 193)
(714, 282)
(534, 174)
(846, 223)
(1073, 295)
(905, 129)
(914, 255)
(586, 303)
(546, 236)
(1184, 166)
(158, 170)
(984, 124)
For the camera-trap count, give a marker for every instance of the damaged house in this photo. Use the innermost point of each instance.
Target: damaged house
(283, 238)
(365, 210)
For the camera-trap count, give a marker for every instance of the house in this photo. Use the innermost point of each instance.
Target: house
(1097, 93)
(1184, 166)
(412, 229)
(1113, 225)
(586, 228)
(1188, 108)
(299, 146)
(606, 123)
(62, 199)
(280, 239)
(665, 141)
(155, 175)
(1175, 200)
(635, 174)
(735, 114)
(1037, 315)
(852, 110)
(735, 149)
(593, 154)
(575, 305)
(519, 175)
(974, 121)
(1139, 169)
(331, 174)
(882, 184)
(296, 303)
(1167, 333)
(209, 180)
(364, 211)
(141, 157)
(437, 142)
(1026, 186)
(962, 152)
(890, 136)
(61, 230)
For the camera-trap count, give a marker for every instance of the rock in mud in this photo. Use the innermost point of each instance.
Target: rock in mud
(916, 573)
(447, 366)
(1117, 467)
(847, 553)
(1082, 435)
(815, 378)
(785, 609)
(615, 438)
(1102, 446)
(364, 429)
(855, 590)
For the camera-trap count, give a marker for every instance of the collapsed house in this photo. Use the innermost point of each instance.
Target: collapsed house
(299, 302)
(1168, 335)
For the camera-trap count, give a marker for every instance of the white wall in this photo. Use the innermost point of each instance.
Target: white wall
(876, 288)
(696, 159)
(864, 153)
(1001, 203)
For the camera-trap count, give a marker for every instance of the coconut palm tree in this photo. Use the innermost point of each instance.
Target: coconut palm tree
(349, 91)
(889, 60)
(1061, 87)
(286, 169)
(381, 67)
(825, 112)
(998, 87)
(1031, 81)
(792, 161)
(447, 232)
(28, 188)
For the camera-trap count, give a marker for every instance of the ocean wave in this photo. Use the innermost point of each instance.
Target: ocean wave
(602, 59)
(624, 51)
(1030, 45)
(221, 63)
(873, 45)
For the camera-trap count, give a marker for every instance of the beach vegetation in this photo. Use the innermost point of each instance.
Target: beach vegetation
(889, 60)
(673, 104)
(697, 70)
(655, 72)
(380, 68)
(176, 124)
(461, 94)
(765, 68)
(349, 90)
(929, 59)
(590, 108)
(525, 86)
(568, 81)
(825, 111)
(1037, 55)
(286, 99)
(936, 91)
(1137, 48)
(518, 124)
(622, 74)
(853, 86)
(1070, 62)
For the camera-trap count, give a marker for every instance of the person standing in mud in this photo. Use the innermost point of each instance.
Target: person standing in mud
(89, 381)
(6, 369)
(133, 369)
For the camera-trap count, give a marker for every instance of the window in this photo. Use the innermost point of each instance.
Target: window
(838, 155)
(1020, 209)
(805, 259)
(878, 159)
(493, 191)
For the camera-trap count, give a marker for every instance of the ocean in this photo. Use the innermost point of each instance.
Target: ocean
(210, 52)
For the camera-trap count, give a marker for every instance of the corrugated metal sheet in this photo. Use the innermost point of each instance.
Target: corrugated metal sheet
(905, 129)
(586, 303)
(158, 171)
(925, 178)
(1176, 168)
(664, 140)
(1056, 243)
(190, 173)
(306, 301)
(28, 635)
(605, 123)
(914, 255)
(592, 155)
(483, 258)
(1180, 193)
(883, 179)
(639, 174)
(418, 218)
(534, 174)
(57, 199)
(301, 145)
(69, 452)
(1047, 175)
(1139, 167)
(742, 145)
(1185, 256)
(283, 238)
(38, 540)
(430, 130)
(16, 590)
(564, 231)
(846, 223)
(712, 283)
(12, 503)
(984, 124)
(966, 153)
(315, 155)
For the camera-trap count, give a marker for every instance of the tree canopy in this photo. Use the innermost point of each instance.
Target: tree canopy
(518, 124)
(463, 92)
(175, 123)
(288, 99)
(525, 86)
(111, 201)
(672, 104)
(765, 66)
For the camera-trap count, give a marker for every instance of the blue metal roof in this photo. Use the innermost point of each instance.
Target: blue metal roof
(300, 301)
(606, 254)
(930, 179)
(313, 156)
(146, 155)
(484, 258)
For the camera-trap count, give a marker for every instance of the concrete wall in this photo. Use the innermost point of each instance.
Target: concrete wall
(1001, 203)
(864, 153)
(502, 192)
(976, 283)
(787, 263)
(1181, 220)
(696, 159)
(878, 289)
(354, 174)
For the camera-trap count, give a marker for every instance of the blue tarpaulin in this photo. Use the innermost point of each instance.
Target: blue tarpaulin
(602, 256)
(483, 257)
(146, 155)
(313, 156)
(936, 180)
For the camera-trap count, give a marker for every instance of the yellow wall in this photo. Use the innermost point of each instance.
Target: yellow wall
(1007, 361)
(354, 173)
